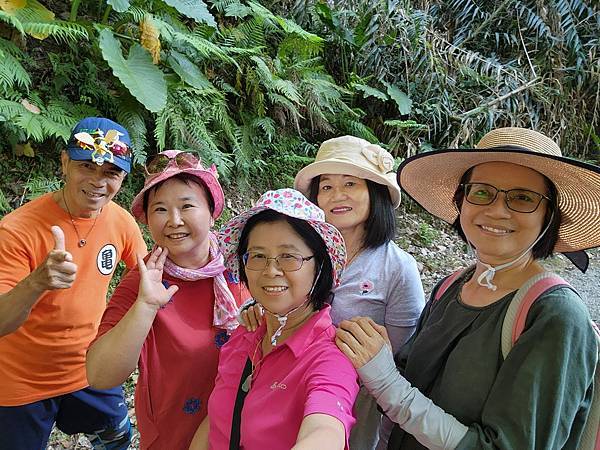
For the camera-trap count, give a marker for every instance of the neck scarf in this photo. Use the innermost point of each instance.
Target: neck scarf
(225, 309)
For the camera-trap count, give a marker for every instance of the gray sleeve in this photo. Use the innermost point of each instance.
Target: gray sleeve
(409, 408)
(405, 297)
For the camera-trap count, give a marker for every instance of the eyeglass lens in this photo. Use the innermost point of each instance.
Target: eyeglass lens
(520, 200)
(286, 262)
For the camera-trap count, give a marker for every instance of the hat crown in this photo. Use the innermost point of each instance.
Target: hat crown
(291, 203)
(356, 151)
(519, 137)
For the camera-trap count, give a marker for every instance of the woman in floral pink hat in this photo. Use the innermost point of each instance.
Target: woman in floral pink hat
(284, 385)
(353, 181)
(170, 315)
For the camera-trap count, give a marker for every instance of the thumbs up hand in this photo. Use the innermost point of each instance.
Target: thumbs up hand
(58, 270)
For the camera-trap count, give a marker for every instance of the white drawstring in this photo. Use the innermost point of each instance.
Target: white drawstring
(486, 277)
(282, 318)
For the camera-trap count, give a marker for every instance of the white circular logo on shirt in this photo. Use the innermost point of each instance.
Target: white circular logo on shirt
(107, 259)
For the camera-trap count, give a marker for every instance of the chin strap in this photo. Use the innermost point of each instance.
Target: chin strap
(486, 277)
(282, 318)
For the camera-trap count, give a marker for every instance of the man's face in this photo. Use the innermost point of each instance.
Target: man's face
(88, 186)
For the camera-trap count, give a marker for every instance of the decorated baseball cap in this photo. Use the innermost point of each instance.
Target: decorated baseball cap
(293, 204)
(100, 140)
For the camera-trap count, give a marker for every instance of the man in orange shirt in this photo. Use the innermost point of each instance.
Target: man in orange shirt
(57, 256)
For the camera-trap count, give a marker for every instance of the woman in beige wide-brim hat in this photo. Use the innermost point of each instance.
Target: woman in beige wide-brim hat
(353, 181)
(462, 380)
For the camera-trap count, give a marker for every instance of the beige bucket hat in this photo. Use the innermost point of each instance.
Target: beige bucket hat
(432, 178)
(349, 155)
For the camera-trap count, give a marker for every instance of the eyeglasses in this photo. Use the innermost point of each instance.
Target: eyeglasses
(519, 200)
(183, 160)
(288, 262)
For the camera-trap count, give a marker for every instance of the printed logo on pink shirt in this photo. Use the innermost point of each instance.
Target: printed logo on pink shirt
(278, 385)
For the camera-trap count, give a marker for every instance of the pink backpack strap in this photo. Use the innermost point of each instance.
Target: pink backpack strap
(446, 283)
(532, 294)
(516, 314)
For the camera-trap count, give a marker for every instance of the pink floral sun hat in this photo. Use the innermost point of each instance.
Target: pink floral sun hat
(174, 162)
(293, 204)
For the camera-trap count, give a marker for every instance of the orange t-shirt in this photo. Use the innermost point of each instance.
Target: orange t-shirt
(45, 356)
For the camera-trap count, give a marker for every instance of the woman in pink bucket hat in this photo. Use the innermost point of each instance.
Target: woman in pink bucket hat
(171, 314)
(505, 355)
(284, 385)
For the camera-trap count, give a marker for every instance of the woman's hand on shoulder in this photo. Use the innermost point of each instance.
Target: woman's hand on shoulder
(152, 292)
(360, 339)
(251, 316)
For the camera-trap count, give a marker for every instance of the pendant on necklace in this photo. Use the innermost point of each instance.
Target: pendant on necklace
(81, 243)
(247, 383)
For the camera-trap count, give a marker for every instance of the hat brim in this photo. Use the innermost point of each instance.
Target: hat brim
(79, 154)
(339, 167)
(431, 179)
(209, 180)
(229, 238)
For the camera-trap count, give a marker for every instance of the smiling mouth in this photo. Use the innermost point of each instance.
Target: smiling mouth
(341, 209)
(177, 236)
(498, 231)
(274, 289)
(93, 195)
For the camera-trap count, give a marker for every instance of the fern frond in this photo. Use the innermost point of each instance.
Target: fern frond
(60, 30)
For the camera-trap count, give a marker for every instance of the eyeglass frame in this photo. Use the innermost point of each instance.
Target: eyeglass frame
(297, 256)
(172, 161)
(505, 191)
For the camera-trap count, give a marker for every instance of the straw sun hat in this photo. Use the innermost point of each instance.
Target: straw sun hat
(432, 178)
(349, 155)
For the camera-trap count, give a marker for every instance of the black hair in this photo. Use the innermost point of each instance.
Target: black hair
(545, 246)
(321, 293)
(380, 226)
(186, 178)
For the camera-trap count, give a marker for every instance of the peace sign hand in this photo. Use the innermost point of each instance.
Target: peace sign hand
(151, 291)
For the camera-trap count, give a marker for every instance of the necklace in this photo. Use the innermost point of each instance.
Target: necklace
(353, 256)
(248, 381)
(81, 240)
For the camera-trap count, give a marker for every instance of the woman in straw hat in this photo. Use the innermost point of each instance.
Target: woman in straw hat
(284, 385)
(171, 314)
(353, 181)
(515, 200)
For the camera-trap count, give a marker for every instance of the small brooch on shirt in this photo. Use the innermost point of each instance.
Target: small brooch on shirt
(340, 406)
(366, 287)
(221, 338)
(192, 405)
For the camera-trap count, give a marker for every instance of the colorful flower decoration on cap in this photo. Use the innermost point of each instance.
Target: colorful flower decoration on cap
(379, 157)
(103, 146)
(293, 204)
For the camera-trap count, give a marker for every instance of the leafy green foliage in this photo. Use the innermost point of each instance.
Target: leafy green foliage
(143, 79)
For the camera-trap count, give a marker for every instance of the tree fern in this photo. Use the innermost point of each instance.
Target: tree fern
(12, 72)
